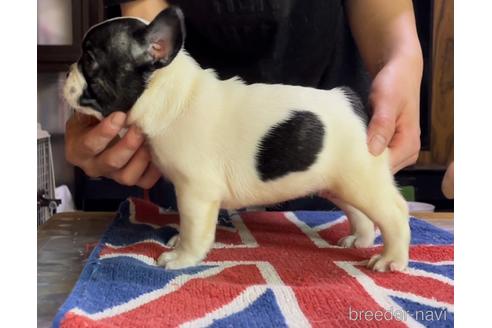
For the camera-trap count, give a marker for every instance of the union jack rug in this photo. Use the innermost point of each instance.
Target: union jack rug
(267, 269)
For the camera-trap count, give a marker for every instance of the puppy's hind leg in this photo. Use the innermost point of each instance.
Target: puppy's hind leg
(198, 220)
(368, 186)
(395, 230)
(362, 228)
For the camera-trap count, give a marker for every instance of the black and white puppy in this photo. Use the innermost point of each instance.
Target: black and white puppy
(225, 144)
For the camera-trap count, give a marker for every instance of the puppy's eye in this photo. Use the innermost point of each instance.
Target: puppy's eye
(91, 61)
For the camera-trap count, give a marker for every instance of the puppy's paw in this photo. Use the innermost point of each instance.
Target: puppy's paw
(166, 257)
(174, 241)
(354, 241)
(383, 263)
(177, 260)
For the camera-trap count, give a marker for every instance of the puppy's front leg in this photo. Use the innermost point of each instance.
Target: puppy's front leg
(198, 219)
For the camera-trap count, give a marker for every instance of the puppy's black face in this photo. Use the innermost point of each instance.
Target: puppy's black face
(117, 58)
(113, 66)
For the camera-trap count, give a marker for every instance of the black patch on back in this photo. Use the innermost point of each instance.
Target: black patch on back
(357, 105)
(290, 146)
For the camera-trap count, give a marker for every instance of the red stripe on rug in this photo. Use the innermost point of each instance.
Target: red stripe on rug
(337, 299)
(227, 237)
(418, 285)
(152, 250)
(336, 232)
(146, 212)
(432, 253)
(193, 300)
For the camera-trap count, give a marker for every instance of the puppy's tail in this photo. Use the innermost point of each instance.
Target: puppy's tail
(357, 105)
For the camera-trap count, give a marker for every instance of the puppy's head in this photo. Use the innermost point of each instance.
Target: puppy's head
(118, 56)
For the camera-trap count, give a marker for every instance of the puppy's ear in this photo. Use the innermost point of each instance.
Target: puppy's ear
(164, 36)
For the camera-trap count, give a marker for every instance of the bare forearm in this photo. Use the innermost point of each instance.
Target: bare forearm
(386, 35)
(384, 31)
(146, 9)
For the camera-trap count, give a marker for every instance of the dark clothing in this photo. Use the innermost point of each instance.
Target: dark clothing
(298, 42)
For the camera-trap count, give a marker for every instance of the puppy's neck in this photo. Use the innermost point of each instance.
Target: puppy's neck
(168, 94)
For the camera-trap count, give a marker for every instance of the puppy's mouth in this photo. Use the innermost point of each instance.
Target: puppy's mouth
(73, 89)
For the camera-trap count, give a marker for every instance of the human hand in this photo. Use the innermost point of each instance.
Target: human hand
(395, 100)
(96, 148)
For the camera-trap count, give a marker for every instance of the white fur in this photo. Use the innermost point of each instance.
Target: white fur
(205, 133)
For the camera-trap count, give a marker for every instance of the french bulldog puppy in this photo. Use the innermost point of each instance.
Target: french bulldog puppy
(225, 144)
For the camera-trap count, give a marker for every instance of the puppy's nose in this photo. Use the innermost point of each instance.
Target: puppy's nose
(66, 75)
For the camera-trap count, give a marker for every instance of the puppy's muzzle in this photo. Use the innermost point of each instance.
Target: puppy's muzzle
(74, 87)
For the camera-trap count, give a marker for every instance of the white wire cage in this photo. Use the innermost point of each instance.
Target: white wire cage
(46, 202)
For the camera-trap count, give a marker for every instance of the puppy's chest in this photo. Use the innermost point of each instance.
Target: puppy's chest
(171, 156)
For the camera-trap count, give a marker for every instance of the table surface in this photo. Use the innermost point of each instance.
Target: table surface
(63, 250)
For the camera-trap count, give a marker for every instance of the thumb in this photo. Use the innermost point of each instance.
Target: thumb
(381, 127)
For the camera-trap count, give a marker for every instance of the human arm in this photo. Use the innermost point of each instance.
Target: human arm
(386, 35)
